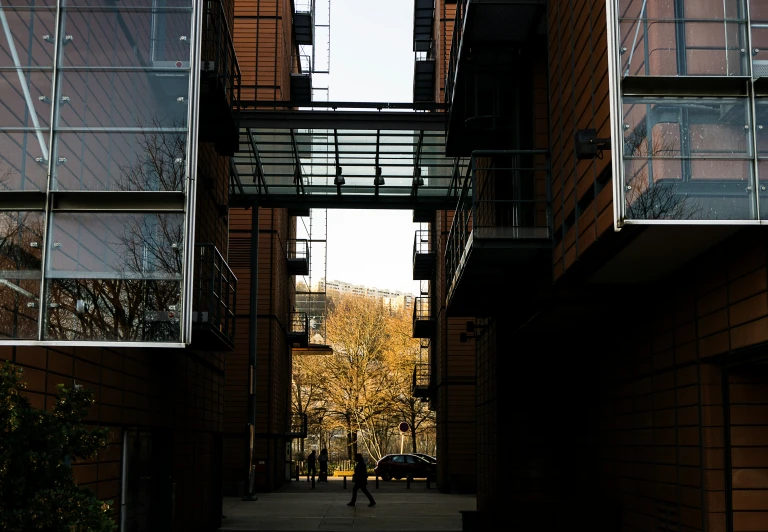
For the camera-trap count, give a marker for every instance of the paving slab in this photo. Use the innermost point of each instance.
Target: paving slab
(299, 507)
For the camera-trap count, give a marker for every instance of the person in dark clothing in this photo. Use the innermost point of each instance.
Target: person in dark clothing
(311, 470)
(323, 459)
(360, 481)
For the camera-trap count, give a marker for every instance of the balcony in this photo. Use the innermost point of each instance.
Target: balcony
(214, 303)
(298, 333)
(420, 387)
(304, 22)
(486, 69)
(424, 257)
(423, 320)
(500, 242)
(297, 256)
(424, 72)
(301, 79)
(220, 81)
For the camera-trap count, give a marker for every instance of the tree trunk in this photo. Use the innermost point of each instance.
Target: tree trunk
(351, 441)
(413, 433)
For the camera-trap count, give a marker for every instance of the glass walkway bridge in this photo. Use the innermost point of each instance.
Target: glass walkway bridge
(345, 155)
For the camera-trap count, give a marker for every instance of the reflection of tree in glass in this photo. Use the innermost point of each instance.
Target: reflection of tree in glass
(143, 303)
(160, 165)
(20, 232)
(654, 200)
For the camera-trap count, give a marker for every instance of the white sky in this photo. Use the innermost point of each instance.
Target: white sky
(371, 60)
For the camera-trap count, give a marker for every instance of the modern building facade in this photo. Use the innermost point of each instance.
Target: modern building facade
(589, 180)
(616, 155)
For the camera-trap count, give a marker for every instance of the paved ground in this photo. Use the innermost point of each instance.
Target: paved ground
(300, 508)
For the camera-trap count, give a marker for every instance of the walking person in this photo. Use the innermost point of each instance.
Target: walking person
(311, 469)
(323, 459)
(360, 481)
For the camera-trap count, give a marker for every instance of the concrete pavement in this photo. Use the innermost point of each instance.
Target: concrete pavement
(300, 508)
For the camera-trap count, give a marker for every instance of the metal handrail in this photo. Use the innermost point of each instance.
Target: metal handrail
(299, 323)
(421, 309)
(298, 249)
(527, 215)
(453, 60)
(215, 289)
(422, 242)
(218, 56)
(421, 376)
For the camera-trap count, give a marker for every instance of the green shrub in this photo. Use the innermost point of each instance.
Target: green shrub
(37, 489)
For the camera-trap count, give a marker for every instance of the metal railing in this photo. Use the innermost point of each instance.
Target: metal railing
(420, 379)
(506, 196)
(421, 309)
(299, 324)
(298, 428)
(214, 301)
(297, 249)
(422, 242)
(453, 60)
(218, 58)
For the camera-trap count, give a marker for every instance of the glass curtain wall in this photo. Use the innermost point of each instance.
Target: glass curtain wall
(97, 150)
(690, 92)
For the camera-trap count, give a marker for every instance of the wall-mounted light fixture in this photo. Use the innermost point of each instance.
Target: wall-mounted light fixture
(588, 146)
(473, 332)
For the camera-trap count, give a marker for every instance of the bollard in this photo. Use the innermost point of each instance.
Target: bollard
(377, 481)
(313, 481)
(408, 482)
(345, 483)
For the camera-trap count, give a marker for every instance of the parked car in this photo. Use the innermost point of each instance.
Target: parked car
(399, 466)
(428, 458)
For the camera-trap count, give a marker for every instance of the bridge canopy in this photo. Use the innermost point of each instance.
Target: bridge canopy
(376, 157)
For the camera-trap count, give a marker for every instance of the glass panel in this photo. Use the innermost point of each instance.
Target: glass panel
(761, 116)
(116, 245)
(25, 98)
(23, 160)
(27, 37)
(118, 310)
(157, 38)
(758, 11)
(687, 159)
(150, 160)
(667, 38)
(147, 99)
(21, 243)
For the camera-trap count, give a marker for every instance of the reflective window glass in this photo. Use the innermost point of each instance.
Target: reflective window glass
(27, 37)
(150, 161)
(143, 38)
(103, 98)
(675, 38)
(21, 244)
(23, 160)
(116, 245)
(687, 159)
(25, 98)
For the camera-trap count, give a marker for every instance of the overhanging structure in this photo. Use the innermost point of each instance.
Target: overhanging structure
(347, 155)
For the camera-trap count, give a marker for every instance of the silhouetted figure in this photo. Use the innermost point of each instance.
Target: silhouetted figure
(323, 459)
(360, 481)
(311, 469)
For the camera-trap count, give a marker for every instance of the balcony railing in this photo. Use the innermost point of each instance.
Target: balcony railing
(420, 387)
(298, 333)
(505, 198)
(218, 58)
(453, 60)
(423, 320)
(424, 258)
(297, 255)
(214, 301)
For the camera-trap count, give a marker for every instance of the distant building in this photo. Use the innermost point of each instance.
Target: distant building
(394, 299)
